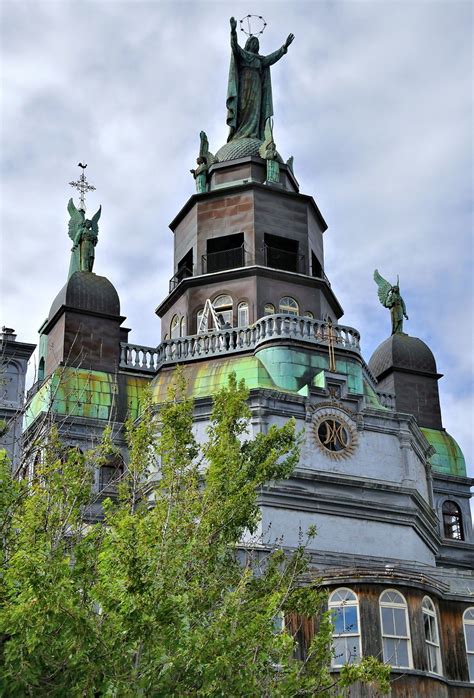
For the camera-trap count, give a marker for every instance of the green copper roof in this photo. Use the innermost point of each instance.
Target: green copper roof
(83, 393)
(448, 458)
(207, 377)
(279, 368)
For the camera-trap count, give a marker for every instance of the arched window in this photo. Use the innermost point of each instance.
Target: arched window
(41, 369)
(452, 521)
(223, 305)
(199, 315)
(243, 314)
(182, 327)
(395, 629)
(344, 608)
(468, 622)
(269, 309)
(174, 327)
(430, 625)
(308, 313)
(289, 306)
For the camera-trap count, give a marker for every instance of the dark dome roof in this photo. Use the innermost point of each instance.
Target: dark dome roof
(240, 148)
(402, 351)
(87, 291)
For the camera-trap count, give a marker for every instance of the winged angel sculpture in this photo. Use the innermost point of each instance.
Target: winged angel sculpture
(204, 161)
(84, 234)
(390, 298)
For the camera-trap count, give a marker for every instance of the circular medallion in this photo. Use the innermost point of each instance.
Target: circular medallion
(334, 434)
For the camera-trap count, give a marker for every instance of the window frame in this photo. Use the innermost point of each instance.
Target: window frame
(428, 608)
(243, 306)
(357, 637)
(266, 307)
(469, 652)
(227, 308)
(175, 327)
(287, 307)
(456, 525)
(406, 638)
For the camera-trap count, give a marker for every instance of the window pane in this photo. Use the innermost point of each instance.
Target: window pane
(469, 630)
(269, 309)
(338, 620)
(388, 627)
(470, 660)
(353, 649)
(402, 652)
(433, 659)
(400, 621)
(389, 651)
(350, 619)
(339, 646)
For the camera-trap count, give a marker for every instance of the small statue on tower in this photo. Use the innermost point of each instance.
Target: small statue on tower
(204, 161)
(82, 231)
(390, 298)
(268, 152)
(84, 234)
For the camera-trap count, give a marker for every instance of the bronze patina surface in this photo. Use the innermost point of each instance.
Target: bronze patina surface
(249, 91)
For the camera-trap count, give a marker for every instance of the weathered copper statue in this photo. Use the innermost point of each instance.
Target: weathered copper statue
(84, 234)
(204, 161)
(268, 152)
(390, 298)
(249, 91)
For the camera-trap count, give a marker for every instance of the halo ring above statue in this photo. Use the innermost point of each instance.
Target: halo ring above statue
(246, 25)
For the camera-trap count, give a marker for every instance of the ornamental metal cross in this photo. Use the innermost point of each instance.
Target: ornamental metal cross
(83, 186)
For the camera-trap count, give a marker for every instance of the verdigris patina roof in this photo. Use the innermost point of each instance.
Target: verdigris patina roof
(240, 148)
(87, 291)
(405, 352)
(448, 459)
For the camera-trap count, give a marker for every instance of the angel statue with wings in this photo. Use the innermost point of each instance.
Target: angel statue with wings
(83, 233)
(390, 298)
(204, 161)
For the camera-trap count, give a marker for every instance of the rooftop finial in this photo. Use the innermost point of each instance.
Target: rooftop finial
(83, 186)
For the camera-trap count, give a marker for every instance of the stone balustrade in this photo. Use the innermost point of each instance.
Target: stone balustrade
(233, 340)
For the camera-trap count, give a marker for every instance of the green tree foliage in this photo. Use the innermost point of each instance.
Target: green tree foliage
(160, 599)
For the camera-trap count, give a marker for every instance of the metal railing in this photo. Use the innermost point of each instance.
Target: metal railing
(226, 259)
(181, 274)
(239, 339)
(284, 259)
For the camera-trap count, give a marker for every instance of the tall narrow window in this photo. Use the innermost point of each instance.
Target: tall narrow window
(269, 309)
(174, 327)
(199, 315)
(182, 327)
(452, 521)
(289, 306)
(243, 314)
(430, 625)
(395, 629)
(468, 621)
(344, 608)
(223, 305)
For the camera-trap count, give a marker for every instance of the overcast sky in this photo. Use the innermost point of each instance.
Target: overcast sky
(374, 100)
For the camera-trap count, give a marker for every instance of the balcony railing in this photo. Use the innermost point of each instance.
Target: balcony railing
(284, 259)
(239, 339)
(181, 274)
(226, 259)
